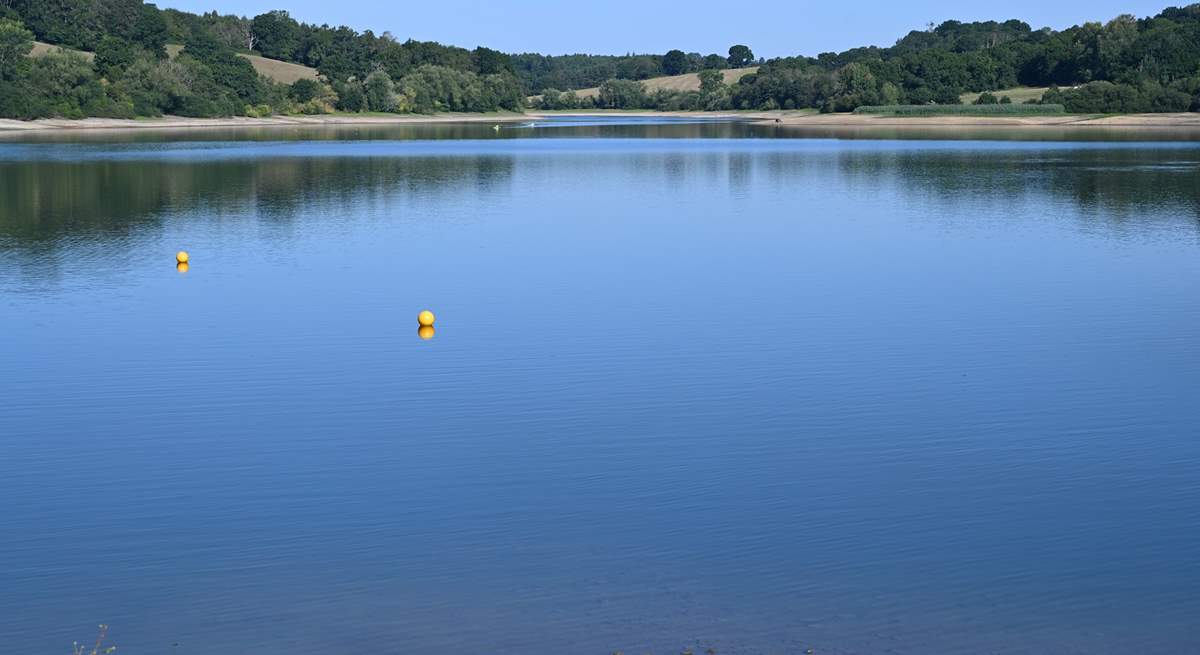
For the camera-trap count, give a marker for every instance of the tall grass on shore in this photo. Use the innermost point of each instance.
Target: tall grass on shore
(98, 648)
(962, 110)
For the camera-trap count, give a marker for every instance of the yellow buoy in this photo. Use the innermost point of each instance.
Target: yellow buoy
(182, 267)
(181, 256)
(425, 318)
(425, 332)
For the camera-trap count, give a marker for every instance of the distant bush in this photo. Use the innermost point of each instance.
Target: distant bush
(1109, 98)
(963, 110)
(258, 111)
(622, 94)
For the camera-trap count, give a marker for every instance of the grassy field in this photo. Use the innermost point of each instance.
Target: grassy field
(1018, 94)
(280, 71)
(686, 82)
(962, 110)
(41, 49)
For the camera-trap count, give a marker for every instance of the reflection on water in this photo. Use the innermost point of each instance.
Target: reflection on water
(47, 198)
(752, 393)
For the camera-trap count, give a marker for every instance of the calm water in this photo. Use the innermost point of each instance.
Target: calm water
(691, 385)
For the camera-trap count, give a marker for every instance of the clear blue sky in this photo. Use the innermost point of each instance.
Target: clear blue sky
(770, 27)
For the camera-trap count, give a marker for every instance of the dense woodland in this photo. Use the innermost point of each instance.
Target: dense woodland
(1125, 65)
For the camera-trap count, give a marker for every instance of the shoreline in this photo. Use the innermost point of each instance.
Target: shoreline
(13, 126)
(1184, 122)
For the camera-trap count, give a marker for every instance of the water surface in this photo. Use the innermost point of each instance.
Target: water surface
(691, 385)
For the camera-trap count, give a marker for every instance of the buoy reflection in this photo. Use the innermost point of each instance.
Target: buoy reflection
(425, 332)
(182, 267)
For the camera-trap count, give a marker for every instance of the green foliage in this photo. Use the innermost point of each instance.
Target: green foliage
(73, 23)
(622, 94)
(150, 30)
(962, 110)
(379, 93)
(740, 56)
(986, 98)
(1108, 98)
(538, 72)
(431, 88)
(555, 99)
(258, 111)
(114, 55)
(158, 86)
(276, 35)
(490, 62)
(675, 62)
(351, 96)
(1150, 61)
(64, 85)
(303, 91)
(1126, 64)
(230, 73)
(15, 44)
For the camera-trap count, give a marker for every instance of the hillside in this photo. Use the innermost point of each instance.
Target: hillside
(279, 71)
(1018, 94)
(41, 49)
(685, 82)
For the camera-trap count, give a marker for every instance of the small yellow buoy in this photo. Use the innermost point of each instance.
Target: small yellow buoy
(181, 256)
(182, 267)
(425, 318)
(425, 332)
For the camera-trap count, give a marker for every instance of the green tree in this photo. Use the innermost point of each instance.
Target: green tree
(304, 90)
(15, 44)
(276, 35)
(378, 92)
(622, 94)
(114, 55)
(490, 62)
(674, 62)
(156, 86)
(711, 81)
(150, 30)
(351, 97)
(73, 23)
(740, 56)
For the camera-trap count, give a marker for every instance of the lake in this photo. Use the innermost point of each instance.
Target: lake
(692, 384)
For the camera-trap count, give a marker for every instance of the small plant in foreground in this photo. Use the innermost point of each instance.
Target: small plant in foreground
(98, 648)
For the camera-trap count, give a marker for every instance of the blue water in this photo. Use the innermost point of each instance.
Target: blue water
(692, 385)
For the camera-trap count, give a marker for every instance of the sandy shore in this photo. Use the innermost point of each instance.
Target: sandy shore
(1185, 120)
(812, 119)
(1188, 121)
(179, 122)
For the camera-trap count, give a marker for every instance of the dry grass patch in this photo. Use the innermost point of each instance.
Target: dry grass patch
(685, 82)
(279, 71)
(1018, 94)
(42, 49)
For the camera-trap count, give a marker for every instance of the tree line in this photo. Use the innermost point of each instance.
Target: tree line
(1124, 65)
